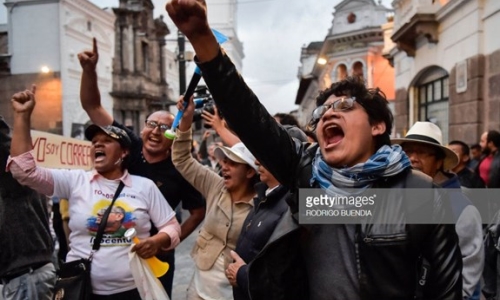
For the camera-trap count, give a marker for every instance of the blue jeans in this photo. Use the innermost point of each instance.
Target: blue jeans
(34, 285)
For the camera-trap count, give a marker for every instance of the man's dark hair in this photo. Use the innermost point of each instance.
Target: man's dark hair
(465, 148)
(475, 146)
(494, 137)
(287, 119)
(373, 101)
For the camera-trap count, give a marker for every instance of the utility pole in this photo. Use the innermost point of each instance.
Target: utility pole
(181, 42)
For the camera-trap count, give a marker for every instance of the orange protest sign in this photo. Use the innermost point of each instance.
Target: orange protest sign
(55, 151)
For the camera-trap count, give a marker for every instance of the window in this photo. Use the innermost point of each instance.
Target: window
(130, 119)
(145, 57)
(339, 73)
(433, 103)
(89, 26)
(357, 69)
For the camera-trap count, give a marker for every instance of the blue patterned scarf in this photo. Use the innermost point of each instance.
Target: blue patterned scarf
(387, 161)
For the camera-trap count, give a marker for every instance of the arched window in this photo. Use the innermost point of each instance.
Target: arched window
(341, 72)
(357, 69)
(432, 89)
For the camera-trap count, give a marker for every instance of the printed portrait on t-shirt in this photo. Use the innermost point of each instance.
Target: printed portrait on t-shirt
(119, 220)
(115, 219)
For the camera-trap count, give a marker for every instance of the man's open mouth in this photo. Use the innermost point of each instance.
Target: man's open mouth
(333, 134)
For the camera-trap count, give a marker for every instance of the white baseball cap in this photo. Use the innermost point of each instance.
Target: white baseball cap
(238, 153)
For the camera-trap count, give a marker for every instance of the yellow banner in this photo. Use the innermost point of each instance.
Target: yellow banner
(55, 151)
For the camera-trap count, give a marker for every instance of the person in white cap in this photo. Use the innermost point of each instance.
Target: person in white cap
(229, 200)
(423, 145)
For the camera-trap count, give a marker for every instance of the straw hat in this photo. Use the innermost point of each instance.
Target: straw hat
(430, 134)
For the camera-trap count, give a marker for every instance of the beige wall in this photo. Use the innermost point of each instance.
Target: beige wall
(47, 115)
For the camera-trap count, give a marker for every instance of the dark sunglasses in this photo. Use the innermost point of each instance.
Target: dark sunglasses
(154, 124)
(343, 104)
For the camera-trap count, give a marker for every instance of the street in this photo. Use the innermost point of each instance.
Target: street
(184, 265)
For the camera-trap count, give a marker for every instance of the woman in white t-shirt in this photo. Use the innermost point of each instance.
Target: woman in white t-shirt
(90, 193)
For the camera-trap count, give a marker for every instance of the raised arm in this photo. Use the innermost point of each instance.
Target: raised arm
(90, 96)
(214, 120)
(243, 112)
(206, 181)
(21, 163)
(23, 104)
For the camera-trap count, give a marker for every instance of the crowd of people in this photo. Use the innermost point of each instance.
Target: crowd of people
(241, 188)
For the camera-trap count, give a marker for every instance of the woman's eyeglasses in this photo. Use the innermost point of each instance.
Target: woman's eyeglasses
(154, 124)
(343, 104)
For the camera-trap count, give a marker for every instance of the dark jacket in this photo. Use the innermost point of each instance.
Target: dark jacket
(491, 271)
(264, 238)
(470, 179)
(24, 224)
(386, 261)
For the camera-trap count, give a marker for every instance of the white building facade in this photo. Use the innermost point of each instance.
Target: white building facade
(446, 56)
(50, 34)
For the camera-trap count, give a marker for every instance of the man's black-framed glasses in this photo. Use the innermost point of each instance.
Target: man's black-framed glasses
(154, 124)
(342, 104)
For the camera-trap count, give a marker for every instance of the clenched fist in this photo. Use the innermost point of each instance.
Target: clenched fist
(190, 16)
(24, 102)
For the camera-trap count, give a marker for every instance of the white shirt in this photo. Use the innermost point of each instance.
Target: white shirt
(89, 195)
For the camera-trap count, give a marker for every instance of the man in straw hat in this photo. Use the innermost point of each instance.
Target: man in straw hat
(423, 145)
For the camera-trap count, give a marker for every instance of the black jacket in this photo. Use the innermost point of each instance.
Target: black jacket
(24, 222)
(264, 239)
(388, 262)
(470, 179)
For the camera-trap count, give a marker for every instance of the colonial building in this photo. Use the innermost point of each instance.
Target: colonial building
(353, 46)
(39, 45)
(446, 56)
(139, 81)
